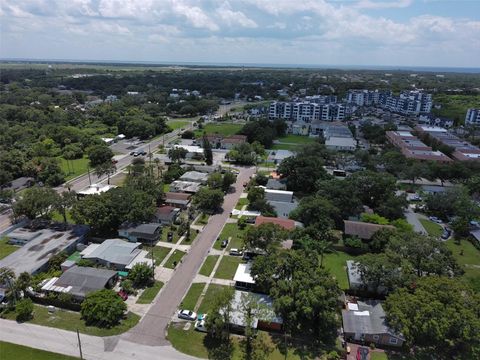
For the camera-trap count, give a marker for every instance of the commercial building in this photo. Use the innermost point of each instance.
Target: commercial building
(472, 117)
(413, 148)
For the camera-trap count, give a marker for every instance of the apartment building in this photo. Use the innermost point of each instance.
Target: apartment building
(472, 117)
(306, 111)
(413, 148)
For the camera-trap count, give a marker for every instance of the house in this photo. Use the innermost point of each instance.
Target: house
(363, 230)
(145, 233)
(341, 143)
(283, 209)
(278, 195)
(200, 168)
(242, 278)
(231, 141)
(267, 319)
(116, 254)
(365, 322)
(79, 281)
(166, 215)
(195, 176)
(274, 184)
(287, 224)
(177, 199)
(39, 245)
(277, 156)
(185, 186)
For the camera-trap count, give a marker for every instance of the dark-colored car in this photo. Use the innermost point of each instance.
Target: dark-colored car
(143, 153)
(446, 233)
(170, 236)
(134, 153)
(224, 243)
(362, 353)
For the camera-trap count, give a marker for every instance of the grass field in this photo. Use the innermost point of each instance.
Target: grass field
(208, 265)
(159, 253)
(178, 124)
(241, 203)
(291, 147)
(6, 249)
(455, 106)
(336, 264)
(56, 216)
(228, 267)
(225, 129)
(297, 139)
(191, 298)
(149, 293)
(378, 356)
(9, 351)
(209, 298)
(432, 228)
(73, 168)
(231, 231)
(70, 320)
(175, 257)
(165, 232)
(468, 256)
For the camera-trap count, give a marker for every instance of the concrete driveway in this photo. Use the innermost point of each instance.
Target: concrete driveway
(151, 329)
(412, 219)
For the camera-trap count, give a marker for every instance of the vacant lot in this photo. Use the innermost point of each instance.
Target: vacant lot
(73, 168)
(455, 106)
(178, 124)
(296, 139)
(226, 129)
(10, 351)
(228, 267)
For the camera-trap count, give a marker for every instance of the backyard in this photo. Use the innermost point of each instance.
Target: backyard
(468, 256)
(71, 320)
(227, 267)
(337, 264)
(149, 293)
(9, 351)
(5, 248)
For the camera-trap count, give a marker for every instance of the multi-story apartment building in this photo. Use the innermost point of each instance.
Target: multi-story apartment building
(472, 117)
(306, 111)
(365, 97)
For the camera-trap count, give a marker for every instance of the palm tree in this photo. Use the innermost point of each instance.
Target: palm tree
(159, 165)
(105, 169)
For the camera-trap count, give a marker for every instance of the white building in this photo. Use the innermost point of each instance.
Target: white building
(472, 117)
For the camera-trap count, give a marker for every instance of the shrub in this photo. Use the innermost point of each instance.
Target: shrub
(103, 308)
(24, 309)
(355, 243)
(127, 286)
(141, 275)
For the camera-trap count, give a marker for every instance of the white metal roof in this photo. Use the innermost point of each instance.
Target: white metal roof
(243, 274)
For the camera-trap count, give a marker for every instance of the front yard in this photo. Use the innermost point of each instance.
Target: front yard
(149, 293)
(5, 248)
(73, 168)
(235, 234)
(159, 253)
(9, 351)
(208, 265)
(228, 267)
(433, 229)
(468, 256)
(174, 259)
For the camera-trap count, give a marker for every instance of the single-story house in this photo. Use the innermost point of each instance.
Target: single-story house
(365, 322)
(230, 141)
(341, 143)
(242, 278)
(79, 281)
(363, 230)
(278, 195)
(166, 215)
(185, 186)
(433, 189)
(277, 156)
(267, 320)
(201, 168)
(177, 199)
(283, 209)
(194, 176)
(287, 224)
(274, 184)
(146, 233)
(116, 254)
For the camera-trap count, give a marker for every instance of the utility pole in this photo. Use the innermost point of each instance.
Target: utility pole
(89, 178)
(79, 345)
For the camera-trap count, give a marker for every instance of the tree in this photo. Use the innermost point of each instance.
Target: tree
(24, 280)
(413, 171)
(141, 275)
(103, 308)
(207, 151)
(257, 202)
(107, 168)
(177, 154)
(215, 180)
(342, 194)
(267, 237)
(7, 277)
(243, 154)
(64, 202)
(99, 154)
(35, 202)
(228, 180)
(55, 262)
(208, 200)
(317, 212)
(379, 271)
(381, 239)
(439, 315)
(24, 309)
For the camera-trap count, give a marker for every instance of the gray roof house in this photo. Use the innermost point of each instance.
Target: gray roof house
(195, 176)
(274, 184)
(365, 322)
(79, 281)
(278, 195)
(166, 214)
(177, 199)
(115, 253)
(149, 233)
(283, 209)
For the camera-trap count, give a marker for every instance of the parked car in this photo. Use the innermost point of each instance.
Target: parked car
(235, 252)
(187, 315)
(416, 197)
(170, 236)
(143, 153)
(200, 326)
(362, 353)
(224, 243)
(250, 220)
(446, 233)
(435, 219)
(134, 153)
(201, 316)
(123, 295)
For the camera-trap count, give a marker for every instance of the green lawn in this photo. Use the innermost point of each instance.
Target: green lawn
(241, 203)
(166, 187)
(6, 249)
(175, 257)
(291, 147)
(226, 129)
(9, 351)
(455, 106)
(159, 253)
(209, 298)
(337, 265)
(228, 267)
(191, 298)
(56, 216)
(73, 168)
(432, 228)
(232, 231)
(468, 256)
(203, 219)
(208, 265)
(165, 232)
(296, 139)
(178, 124)
(378, 356)
(149, 294)
(70, 320)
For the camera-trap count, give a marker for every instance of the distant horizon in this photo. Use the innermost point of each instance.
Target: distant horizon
(420, 68)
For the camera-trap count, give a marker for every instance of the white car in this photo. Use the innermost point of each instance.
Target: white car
(235, 252)
(200, 326)
(435, 219)
(187, 315)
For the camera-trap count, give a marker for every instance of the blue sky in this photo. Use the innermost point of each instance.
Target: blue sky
(321, 32)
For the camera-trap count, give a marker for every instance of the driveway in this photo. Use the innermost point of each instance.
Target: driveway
(412, 219)
(152, 328)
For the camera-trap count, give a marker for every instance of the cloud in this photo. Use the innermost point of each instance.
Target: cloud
(195, 16)
(395, 4)
(232, 18)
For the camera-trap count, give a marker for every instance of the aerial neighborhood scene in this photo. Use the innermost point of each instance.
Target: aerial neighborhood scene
(187, 180)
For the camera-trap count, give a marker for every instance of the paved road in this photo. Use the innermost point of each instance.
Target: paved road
(93, 347)
(412, 219)
(152, 328)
